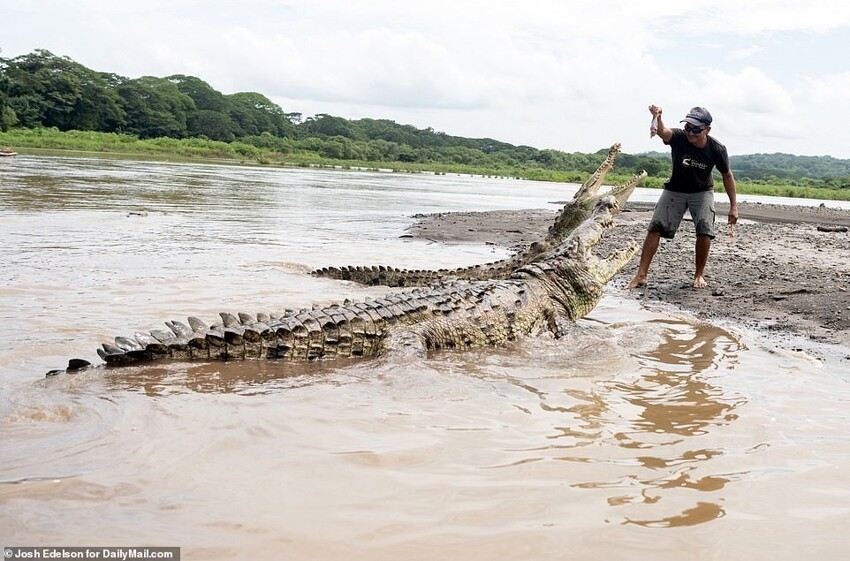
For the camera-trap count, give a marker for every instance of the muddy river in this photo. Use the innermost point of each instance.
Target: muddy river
(641, 435)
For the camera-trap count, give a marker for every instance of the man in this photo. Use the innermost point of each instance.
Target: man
(690, 187)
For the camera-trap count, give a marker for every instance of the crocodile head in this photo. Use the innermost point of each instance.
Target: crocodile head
(587, 197)
(574, 274)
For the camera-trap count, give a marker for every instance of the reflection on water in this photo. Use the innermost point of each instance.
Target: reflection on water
(251, 377)
(660, 407)
(675, 398)
(638, 435)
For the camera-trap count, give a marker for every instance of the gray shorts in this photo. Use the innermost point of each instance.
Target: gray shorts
(671, 208)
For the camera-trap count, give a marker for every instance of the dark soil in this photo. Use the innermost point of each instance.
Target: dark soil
(786, 271)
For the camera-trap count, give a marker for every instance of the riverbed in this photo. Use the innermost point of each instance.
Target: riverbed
(642, 434)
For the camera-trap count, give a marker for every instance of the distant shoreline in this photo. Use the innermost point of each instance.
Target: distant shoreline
(113, 145)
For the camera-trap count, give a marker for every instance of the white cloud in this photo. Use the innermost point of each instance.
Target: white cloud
(749, 91)
(832, 90)
(569, 75)
(764, 16)
(744, 54)
(373, 66)
(827, 104)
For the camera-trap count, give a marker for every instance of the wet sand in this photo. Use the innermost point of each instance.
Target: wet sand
(785, 272)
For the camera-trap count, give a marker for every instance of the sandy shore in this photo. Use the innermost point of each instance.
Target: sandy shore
(785, 273)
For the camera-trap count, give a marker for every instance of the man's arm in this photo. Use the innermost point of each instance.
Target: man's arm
(731, 192)
(662, 131)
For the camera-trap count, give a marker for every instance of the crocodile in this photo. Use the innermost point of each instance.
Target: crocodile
(573, 213)
(551, 291)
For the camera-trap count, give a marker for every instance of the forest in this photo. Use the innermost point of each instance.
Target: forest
(41, 91)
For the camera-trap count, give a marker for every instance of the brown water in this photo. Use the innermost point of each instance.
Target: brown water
(642, 435)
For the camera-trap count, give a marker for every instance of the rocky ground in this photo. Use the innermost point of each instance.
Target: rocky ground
(785, 272)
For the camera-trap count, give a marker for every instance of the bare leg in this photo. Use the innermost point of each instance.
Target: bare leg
(703, 246)
(650, 246)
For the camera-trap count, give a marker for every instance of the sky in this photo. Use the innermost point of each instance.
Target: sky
(575, 76)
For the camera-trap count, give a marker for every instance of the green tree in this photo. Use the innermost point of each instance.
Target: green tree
(211, 124)
(47, 90)
(328, 125)
(155, 107)
(254, 114)
(210, 117)
(204, 95)
(8, 117)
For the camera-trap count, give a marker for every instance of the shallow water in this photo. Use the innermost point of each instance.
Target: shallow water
(641, 435)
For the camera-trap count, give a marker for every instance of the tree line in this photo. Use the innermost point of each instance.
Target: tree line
(44, 90)
(41, 89)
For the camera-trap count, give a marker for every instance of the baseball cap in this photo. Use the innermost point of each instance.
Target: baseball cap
(698, 116)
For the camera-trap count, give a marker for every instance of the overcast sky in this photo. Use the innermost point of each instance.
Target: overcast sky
(568, 75)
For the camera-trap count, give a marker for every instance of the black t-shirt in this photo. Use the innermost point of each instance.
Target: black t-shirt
(692, 166)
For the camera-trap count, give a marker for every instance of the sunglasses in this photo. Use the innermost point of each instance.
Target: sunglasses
(694, 130)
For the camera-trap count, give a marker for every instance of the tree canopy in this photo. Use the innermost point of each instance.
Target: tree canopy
(41, 89)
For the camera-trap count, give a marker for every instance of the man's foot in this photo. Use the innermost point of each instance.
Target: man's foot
(637, 282)
(699, 282)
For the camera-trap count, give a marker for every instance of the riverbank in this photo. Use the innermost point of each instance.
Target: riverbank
(785, 273)
(290, 152)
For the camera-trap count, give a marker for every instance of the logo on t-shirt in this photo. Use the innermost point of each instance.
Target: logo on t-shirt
(689, 163)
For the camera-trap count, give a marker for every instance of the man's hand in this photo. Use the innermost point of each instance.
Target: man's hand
(733, 215)
(655, 110)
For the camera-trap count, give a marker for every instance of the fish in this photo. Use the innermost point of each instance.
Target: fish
(653, 127)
